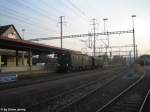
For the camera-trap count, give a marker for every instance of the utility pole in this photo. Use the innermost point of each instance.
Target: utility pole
(107, 45)
(61, 28)
(134, 37)
(94, 24)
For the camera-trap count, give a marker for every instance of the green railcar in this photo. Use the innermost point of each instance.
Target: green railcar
(72, 61)
(76, 60)
(63, 62)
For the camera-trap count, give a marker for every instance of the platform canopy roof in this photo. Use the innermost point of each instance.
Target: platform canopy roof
(24, 45)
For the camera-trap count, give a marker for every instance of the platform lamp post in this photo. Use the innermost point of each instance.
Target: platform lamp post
(105, 19)
(23, 31)
(133, 16)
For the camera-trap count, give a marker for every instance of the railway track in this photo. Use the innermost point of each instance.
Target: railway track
(59, 102)
(132, 99)
(25, 96)
(100, 97)
(146, 102)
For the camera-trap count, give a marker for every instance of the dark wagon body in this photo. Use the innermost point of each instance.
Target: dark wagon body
(72, 61)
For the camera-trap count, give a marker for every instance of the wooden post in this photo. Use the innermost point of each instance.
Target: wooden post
(30, 58)
(16, 57)
(23, 58)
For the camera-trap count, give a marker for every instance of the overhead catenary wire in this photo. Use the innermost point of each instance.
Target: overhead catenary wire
(73, 10)
(32, 33)
(77, 12)
(21, 17)
(30, 7)
(24, 19)
(49, 6)
(35, 33)
(60, 12)
(77, 8)
(33, 18)
(20, 20)
(37, 11)
(24, 3)
(23, 6)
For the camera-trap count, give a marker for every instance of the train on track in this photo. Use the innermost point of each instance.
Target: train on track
(76, 61)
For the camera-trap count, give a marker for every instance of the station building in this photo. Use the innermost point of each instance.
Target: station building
(16, 54)
(8, 56)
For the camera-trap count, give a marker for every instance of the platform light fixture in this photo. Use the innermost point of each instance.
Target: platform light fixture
(133, 16)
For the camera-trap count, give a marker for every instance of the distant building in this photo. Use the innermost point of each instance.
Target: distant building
(145, 60)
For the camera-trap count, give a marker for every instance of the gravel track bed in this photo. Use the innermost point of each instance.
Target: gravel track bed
(73, 95)
(15, 98)
(72, 86)
(100, 97)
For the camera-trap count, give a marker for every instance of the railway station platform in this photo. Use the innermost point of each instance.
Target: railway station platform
(19, 54)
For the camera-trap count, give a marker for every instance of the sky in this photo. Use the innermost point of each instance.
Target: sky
(40, 19)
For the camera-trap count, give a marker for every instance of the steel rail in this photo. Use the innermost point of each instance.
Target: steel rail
(145, 99)
(119, 95)
(64, 93)
(70, 91)
(103, 85)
